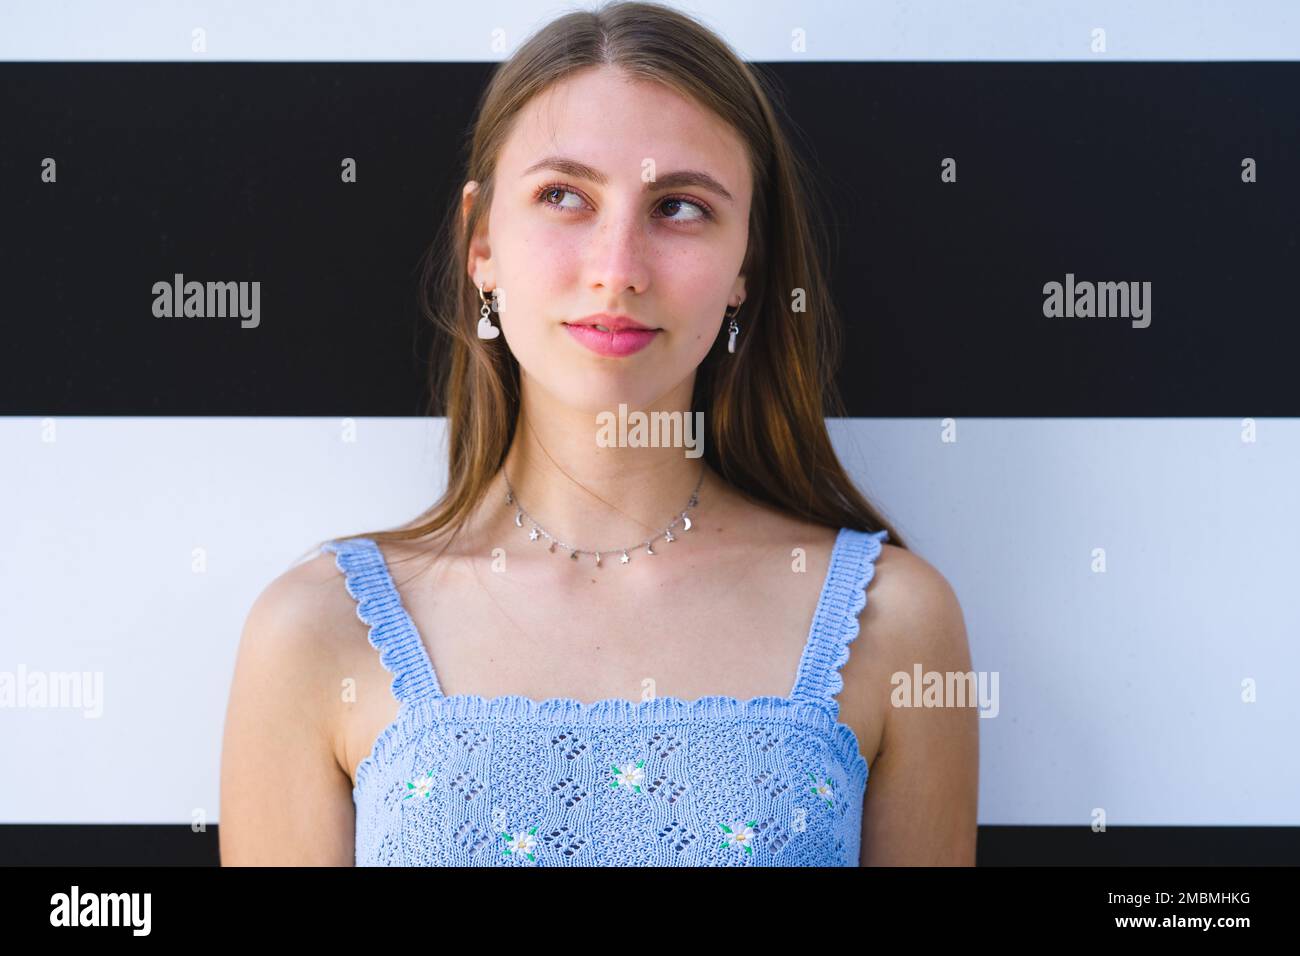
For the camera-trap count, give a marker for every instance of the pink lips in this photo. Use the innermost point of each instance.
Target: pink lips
(616, 342)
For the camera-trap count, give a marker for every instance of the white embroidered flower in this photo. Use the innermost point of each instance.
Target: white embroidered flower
(420, 787)
(739, 834)
(630, 775)
(825, 790)
(522, 842)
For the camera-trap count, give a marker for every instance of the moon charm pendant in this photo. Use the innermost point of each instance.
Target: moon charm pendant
(519, 519)
(686, 523)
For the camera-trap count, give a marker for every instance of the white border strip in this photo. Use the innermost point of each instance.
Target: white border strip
(762, 30)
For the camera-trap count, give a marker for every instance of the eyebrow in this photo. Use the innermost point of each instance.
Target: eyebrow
(677, 180)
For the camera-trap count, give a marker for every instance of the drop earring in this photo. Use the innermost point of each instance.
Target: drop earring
(733, 328)
(486, 330)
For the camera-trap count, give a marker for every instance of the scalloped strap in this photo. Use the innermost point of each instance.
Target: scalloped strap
(379, 605)
(835, 622)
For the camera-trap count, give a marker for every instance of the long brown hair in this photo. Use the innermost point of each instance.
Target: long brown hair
(765, 406)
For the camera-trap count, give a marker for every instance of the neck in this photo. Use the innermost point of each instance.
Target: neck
(591, 497)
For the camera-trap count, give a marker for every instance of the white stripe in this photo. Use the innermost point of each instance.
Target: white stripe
(764, 30)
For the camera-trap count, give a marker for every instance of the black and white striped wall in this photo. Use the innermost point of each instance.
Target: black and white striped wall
(157, 472)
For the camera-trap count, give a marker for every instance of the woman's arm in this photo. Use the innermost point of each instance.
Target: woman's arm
(923, 787)
(285, 800)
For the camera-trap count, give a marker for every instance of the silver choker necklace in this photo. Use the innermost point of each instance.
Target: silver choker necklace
(538, 531)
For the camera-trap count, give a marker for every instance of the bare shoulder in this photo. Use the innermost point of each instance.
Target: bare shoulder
(304, 613)
(769, 527)
(911, 615)
(279, 735)
(304, 629)
(922, 801)
(912, 609)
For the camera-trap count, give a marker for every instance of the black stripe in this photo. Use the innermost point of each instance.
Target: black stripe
(230, 172)
(176, 845)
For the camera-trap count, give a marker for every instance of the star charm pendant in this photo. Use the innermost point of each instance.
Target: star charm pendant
(625, 559)
(533, 535)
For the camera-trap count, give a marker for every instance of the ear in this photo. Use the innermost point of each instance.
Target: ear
(737, 290)
(467, 200)
(478, 246)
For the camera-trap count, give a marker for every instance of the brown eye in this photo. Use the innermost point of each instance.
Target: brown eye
(545, 193)
(701, 211)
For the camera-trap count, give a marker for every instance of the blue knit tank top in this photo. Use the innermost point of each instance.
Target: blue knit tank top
(467, 780)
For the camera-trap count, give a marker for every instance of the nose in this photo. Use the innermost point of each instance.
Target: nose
(618, 250)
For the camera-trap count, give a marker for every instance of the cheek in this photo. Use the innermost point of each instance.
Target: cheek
(544, 248)
(691, 280)
(551, 274)
(695, 274)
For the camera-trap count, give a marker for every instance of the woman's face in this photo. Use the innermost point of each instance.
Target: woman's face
(575, 230)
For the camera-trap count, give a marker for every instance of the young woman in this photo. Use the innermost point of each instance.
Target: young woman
(605, 650)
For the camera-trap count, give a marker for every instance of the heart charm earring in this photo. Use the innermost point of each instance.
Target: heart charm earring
(486, 330)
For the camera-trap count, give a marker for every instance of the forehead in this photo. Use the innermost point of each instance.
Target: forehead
(608, 120)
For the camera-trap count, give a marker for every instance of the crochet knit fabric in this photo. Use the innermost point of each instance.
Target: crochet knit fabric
(468, 780)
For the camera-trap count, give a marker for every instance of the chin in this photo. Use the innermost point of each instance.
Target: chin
(601, 387)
